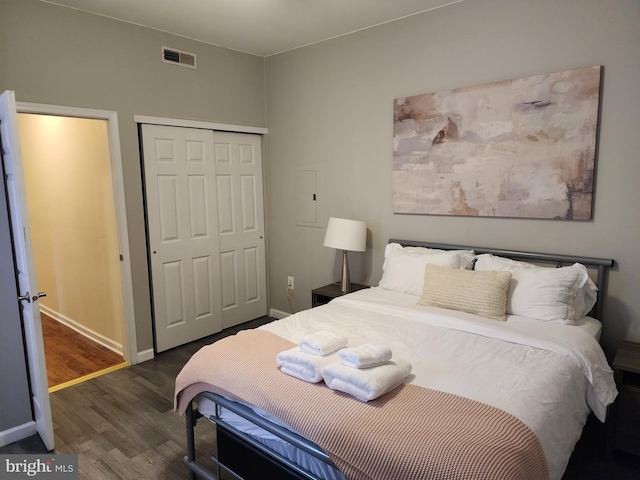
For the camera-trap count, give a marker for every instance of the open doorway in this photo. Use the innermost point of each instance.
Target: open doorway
(73, 215)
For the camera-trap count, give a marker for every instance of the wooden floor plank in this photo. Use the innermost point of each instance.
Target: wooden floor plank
(70, 355)
(90, 459)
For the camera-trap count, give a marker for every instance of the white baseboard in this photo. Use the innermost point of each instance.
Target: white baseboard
(145, 355)
(17, 433)
(278, 313)
(82, 330)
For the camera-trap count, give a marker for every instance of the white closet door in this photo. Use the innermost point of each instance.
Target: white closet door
(238, 164)
(180, 185)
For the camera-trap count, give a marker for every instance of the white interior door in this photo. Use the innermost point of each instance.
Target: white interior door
(238, 165)
(183, 234)
(25, 266)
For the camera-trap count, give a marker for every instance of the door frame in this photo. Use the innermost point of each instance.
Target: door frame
(129, 343)
(175, 122)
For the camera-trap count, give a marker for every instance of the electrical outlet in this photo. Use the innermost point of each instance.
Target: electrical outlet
(289, 283)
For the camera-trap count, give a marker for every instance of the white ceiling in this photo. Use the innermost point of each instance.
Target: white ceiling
(259, 27)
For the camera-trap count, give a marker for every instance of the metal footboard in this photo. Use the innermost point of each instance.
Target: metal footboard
(197, 469)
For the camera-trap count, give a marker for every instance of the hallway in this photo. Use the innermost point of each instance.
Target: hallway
(71, 356)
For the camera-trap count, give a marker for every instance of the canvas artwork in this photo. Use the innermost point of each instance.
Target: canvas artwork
(518, 148)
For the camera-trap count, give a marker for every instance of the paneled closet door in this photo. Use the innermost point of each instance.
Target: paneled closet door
(205, 212)
(180, 181)
(238, 160)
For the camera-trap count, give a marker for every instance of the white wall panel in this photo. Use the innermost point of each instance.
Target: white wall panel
(229, 280)
(225, 204)
(246, 154)
(165, 150)
(202, 286)
(173, 293)
(168, 208)
(222, 153)
(195, 151)
(198, 205)
(249, 210)
(251, 274)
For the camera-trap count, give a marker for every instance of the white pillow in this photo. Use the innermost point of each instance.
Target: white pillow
(585, 299)
(467, 257)
(559, 295)
(403, 269)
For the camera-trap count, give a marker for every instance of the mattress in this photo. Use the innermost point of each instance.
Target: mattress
(533, 370)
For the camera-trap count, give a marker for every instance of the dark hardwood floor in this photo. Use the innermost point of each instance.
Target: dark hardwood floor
(122, 426)
(70, 355)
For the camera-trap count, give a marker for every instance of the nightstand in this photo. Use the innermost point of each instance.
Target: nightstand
(624, 431)
(322, 295)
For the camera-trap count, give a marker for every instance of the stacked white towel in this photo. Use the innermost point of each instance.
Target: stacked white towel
(322, 343)
(366, 371)
(304, 366)
(366, 355)
(366, 383)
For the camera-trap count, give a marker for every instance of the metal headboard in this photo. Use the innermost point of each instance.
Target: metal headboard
(602, 264)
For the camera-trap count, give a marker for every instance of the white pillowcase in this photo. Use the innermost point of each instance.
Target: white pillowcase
(403, 268)
(466, 257)
(559, 295)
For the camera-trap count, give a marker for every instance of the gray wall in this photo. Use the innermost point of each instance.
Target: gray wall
(55, 55)
(330, 105)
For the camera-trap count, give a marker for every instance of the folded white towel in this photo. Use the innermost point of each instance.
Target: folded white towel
(366, 383)
(322, 343)
(304, 366)
(367, 355)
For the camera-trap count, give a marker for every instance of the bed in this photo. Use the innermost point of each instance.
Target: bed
(506, 367)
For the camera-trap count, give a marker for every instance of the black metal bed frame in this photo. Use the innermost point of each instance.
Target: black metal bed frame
(252, 457)
(245, 458)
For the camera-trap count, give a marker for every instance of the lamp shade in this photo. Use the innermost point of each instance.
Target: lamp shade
(344, 234)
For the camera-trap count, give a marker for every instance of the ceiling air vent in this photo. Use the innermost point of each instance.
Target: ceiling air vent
(178, 57)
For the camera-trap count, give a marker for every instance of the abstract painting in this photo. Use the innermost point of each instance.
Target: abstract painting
(519, 148)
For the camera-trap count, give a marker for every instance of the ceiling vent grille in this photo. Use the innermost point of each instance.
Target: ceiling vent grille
(178, 57)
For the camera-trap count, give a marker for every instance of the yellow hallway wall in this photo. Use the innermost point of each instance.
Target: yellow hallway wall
(71, 206)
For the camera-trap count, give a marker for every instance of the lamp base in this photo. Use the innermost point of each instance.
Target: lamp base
(345, 283)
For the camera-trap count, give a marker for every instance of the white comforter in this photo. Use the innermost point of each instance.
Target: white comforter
(547, 375)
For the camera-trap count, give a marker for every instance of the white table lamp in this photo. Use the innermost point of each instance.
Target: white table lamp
(346, 235)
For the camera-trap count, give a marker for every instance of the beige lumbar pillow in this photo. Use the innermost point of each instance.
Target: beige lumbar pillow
(480, 293)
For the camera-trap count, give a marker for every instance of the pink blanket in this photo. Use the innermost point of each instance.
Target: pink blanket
(409, 433)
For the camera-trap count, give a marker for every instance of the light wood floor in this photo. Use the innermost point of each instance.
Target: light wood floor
(122, 426)
(70, 355)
